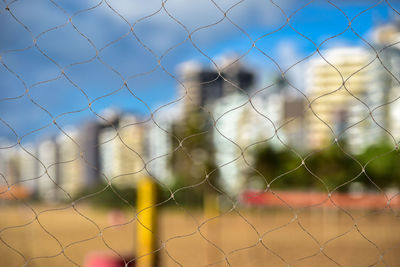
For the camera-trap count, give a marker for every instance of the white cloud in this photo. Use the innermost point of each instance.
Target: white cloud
(195, 13)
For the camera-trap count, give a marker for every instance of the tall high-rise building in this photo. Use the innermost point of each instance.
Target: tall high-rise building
(385, 90)
(122, 156)
(373, 84)
(158, 141)
(339, 110)
(242, 125)
(49, 171)
(71, 165)
(132, 151)
(8, 167)
(88, 138)
(18, 169)
(202, 86)
(28, 167)
(202, 89)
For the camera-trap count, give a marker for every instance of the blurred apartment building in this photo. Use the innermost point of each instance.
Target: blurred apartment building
(159, 143)
(274, 117)
(122, 152)
(204, 88)
(50, 169)
(18, 167)
(387, 86)
(72, 165)
(48, 183)
(371, 88)
(68, 163)
(337, 86)
(61, 167)
(243, 117)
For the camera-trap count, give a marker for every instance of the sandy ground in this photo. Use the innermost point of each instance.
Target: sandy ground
(256, 237)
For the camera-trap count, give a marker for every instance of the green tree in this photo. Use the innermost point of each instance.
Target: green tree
(383, 165)
(194, 158)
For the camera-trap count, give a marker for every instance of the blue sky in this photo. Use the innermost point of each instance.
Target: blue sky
(127, 59)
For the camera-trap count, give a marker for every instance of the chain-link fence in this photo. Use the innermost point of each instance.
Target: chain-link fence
(199, 133)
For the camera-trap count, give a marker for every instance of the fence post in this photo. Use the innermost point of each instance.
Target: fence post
(147, 230)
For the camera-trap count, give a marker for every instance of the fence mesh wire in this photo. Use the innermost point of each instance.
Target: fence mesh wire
(62, 62)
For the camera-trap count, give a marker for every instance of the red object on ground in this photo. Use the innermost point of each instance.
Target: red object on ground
(100, 259)
(320, 199)
(14, 192)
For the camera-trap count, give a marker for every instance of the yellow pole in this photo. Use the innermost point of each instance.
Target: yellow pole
(211, 210)
(147, 227)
